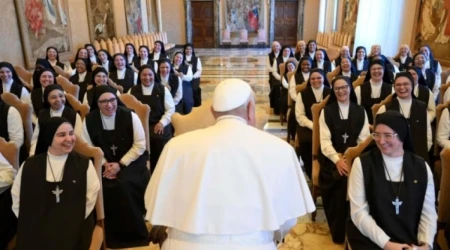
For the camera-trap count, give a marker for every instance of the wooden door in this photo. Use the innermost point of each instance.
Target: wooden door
(203, 24)
(286, 19)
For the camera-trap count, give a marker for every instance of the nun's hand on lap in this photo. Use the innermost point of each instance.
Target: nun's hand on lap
(111, 170)
(158, 129)
(342, 167)
(396, 246)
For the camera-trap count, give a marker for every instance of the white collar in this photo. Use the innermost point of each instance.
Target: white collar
(9, 82)
(375, 83)
(230, 117)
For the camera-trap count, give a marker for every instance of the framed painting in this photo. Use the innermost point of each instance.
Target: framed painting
(101, 19)
(433, 29)
(350, 16)
(244, 14)
(133, 12)
(43, 23)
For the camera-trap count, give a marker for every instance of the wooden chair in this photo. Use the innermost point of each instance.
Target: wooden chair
(70, 88)
(358, 82)
(299, 88)
(25, 113)
(142, 110)
(331, 75)
(332, 53)
(442, 91)
(377, 106)
(290, 74)
(202, 117)
(438, 164)
(83, 148)
(353, 152)
(444, 201)
(10, 151)
(316, 109)
(82, 109)
(25, 76)
(116, 86)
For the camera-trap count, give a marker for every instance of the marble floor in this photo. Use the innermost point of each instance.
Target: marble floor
(250, 65)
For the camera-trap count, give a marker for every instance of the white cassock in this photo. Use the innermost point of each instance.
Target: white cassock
(228, 186)
(7, 174)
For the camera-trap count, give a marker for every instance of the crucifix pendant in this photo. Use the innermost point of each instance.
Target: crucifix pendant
(113, 148)
(57, 192)
(397, 205)
(345, 136)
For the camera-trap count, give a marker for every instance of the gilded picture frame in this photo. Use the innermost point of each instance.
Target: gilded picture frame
(101, 19)
(44, 23)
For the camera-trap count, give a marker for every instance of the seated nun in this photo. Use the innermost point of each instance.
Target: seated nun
(414, 111)
(11, 127)
(158, 97)
(343, 124)
(171, 81)
(55, 192)
(391, 192)
(375, 87)
(99, 77)
(119, 133)
(54, 106)
(10, 82)
(214, 193)
(8, 221)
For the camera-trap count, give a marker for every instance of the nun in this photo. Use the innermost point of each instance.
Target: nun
(391, 192)
(99, 77)
(55, 106)
(10, 82)
(119, 133)
(190, 58)
(151, 92)
(374, 89)
(55, 192)
(316, 91)
(414, 111)
(343, 124)
(8, 221)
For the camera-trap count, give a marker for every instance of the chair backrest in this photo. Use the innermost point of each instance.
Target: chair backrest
(25, 111)
(439, 110)
(331, 75)
(444, 75)
(332, 53)
(358, 82)
(442, 91)
(115, 85)
(353, 152)
(444, 201)
(103, 45)
(10, 151)
(70, 88)
(377, 106)
(25, 76)
(316, 109)
(84, 149)
(200, 117)
(82, 109)
(142, 110)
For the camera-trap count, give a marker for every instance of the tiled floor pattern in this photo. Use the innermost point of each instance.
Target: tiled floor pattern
(250, 65)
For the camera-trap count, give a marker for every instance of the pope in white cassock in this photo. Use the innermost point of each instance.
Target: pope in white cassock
(228, 186)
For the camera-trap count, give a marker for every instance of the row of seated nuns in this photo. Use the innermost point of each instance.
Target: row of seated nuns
(413, 82)
(166, 86)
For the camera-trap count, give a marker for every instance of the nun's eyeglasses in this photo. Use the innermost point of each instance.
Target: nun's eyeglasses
(342, 88)
(105, 102)
(386, 136)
